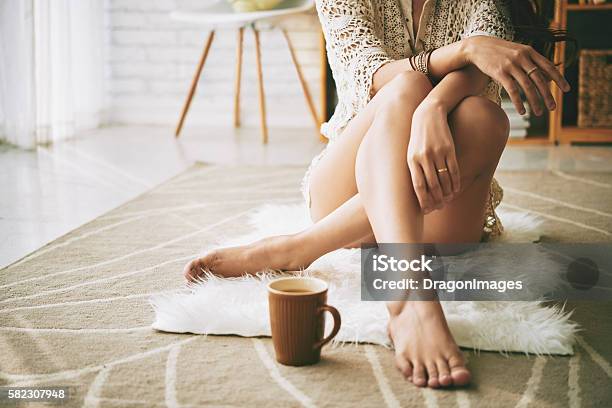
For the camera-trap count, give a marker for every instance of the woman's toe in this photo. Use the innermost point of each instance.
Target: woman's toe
(461, 376)
(190, 270)
(444, 375)
(418, 375)
(404, 366)
(459, 372)
(432, 375)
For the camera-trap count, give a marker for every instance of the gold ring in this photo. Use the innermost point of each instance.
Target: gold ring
(532, 70)
(444, 170)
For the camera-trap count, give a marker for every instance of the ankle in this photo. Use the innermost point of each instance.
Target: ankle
(296, 250)
(425, 309)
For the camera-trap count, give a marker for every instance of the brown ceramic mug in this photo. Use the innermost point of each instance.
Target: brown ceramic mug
(297, 319)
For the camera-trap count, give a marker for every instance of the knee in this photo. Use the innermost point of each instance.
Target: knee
(486, 124)
(408, 87)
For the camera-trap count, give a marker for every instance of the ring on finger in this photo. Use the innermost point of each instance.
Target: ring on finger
(442, 170)
(532, 70)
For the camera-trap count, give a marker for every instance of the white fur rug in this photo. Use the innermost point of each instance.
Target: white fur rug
(240, 306)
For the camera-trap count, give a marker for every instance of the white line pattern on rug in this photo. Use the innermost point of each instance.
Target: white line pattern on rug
(285, 384)
(533, 383)
(202, 187)
(170, 393)
(186, 221)
(65, 243)
(84, 302)
(232, 178)
(595, 356)
(463, 399)
(141, 251)
(558, 202)
(573, 382)
(555, 218)
(239, 190)
(92, 398)
(72, 240)
(430, 398)
(122, 402)
(96, 281)
(42, 346)
(74, 331)
(383, 384)
(163, 210)
(168, 209)
(196, 173)
(581, 179)
(17, 380)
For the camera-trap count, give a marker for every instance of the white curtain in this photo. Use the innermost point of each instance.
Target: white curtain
(51, 69)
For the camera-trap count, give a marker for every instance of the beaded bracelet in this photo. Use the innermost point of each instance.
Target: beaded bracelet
(420, 63)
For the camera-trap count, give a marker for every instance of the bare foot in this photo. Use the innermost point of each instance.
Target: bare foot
(279, 253)
(425, 351)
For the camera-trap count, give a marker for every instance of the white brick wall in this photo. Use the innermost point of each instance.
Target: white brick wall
(151, 60)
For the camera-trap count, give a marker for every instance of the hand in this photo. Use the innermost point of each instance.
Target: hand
(510, 64)
(432, 150)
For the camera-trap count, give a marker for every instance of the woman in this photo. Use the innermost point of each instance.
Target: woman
(414, 142)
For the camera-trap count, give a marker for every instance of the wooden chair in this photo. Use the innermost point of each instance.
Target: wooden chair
(221, 14)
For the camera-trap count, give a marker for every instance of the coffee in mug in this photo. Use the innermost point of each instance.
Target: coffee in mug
(297, 318)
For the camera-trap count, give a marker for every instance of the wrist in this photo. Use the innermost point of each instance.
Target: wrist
(433, 104)
(465, 50)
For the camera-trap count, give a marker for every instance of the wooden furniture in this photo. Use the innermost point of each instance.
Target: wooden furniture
(221, 14)
(558, 133)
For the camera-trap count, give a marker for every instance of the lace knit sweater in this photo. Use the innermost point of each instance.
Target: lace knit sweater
(363, 35)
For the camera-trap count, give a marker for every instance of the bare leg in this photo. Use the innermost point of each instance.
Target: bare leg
(342, 219)
(341, 225)
(422, 340)
(425, 350)
(291, 252)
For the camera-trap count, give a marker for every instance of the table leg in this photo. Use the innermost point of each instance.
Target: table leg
(238, 77)
(305, 90)
(194, 83)
(262, 101)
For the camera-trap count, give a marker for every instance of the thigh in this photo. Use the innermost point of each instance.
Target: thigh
(480, 130)
(332, 181)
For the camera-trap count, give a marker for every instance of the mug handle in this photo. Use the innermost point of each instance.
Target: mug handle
(337, 322)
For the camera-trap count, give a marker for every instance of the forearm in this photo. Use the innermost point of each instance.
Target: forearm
(443, 60)
(456, 86)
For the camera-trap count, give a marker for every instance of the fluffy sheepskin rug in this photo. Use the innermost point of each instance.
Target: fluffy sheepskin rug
(239, 306)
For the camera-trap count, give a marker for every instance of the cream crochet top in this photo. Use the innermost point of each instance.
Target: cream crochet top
(363, 35)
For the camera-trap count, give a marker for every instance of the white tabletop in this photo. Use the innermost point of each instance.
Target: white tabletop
(221, 13)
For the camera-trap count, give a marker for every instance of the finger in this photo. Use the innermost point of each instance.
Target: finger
(453, 171)
(513, 92)
(433, 184)
(420, 187)
(445, 180)
(551, 71)
(544, 90)
(529, 89)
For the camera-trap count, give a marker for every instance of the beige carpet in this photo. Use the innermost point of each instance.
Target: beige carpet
(76, 312)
